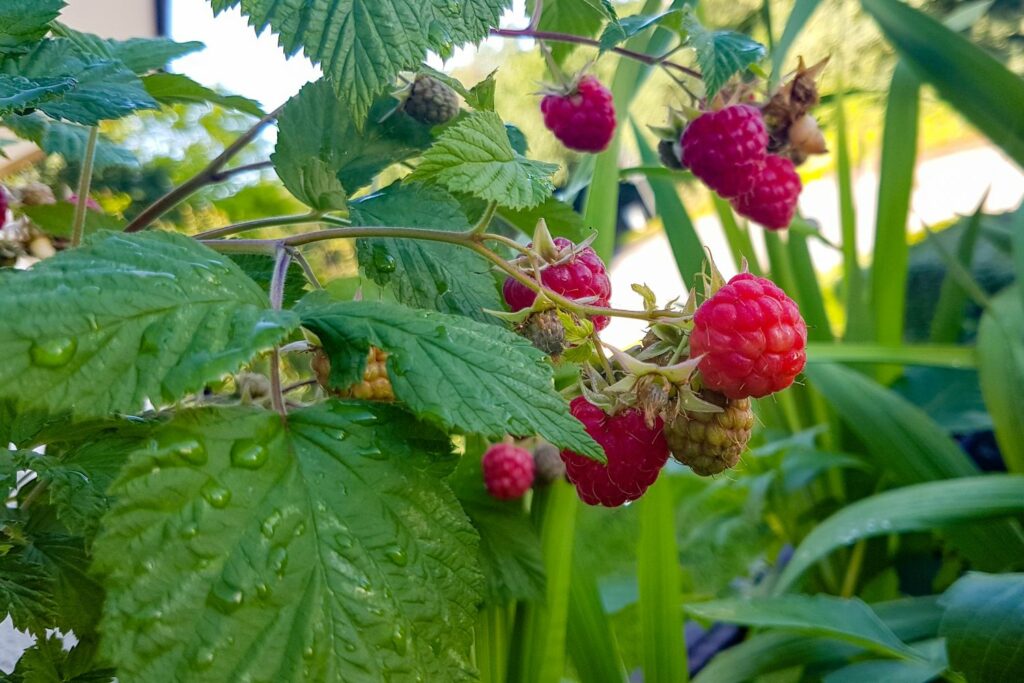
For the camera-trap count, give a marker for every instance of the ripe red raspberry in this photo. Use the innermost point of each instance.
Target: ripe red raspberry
(580, 274)
(773, 199)
(726, 148)
(3, 207)
(636, 453)
(583, 119)
(752, 338)
(508, 471)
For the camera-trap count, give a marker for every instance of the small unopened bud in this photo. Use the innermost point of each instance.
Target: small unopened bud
(805, 136)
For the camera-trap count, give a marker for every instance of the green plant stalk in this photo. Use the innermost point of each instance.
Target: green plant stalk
(602, 205)
(853, 569)
(589, 638)
(949, 311)
(84, 183)
(259, 224)
(927, 355)
(492, 634)
(738, 238)
(539, 657)
(661, 621)
(853, 277)
(895, 185)
(485, 219)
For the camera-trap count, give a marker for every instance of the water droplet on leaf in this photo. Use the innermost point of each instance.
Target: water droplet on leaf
(398, 557)
(270, 524)
(216, 495)
(204, 659)
(278, 559)
(225, 598)
(248, 454)
(54, 353)
(399, 640)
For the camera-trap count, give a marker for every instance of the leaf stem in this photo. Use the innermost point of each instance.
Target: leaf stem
(226, 174)
(485, 219)
(84, 184)
(213, 172)
(580, 40)
(538, 10)
(469, 240)
(258, 224)
(282, 259)
(306, 268)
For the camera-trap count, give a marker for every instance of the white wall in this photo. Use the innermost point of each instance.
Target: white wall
(112, 18)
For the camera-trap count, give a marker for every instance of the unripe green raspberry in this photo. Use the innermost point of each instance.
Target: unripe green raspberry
(710, 443)
(431, 102)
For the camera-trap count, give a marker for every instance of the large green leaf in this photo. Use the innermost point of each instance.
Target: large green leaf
(168, 88)
(478, 378)
(128, 318)
(924, 507)
(904, 442)
(48, 662)
(363, 44)
(324, 153)
(104, 89)
(627, 27)
(475, 156)
(984, 627)
(68, 140)
(1001, 371)
(23, 22)
(849, 620)
(326, 549)
(18, 93)
(26, 594)
(721, 54)
(561, 218)
(57, 219)
(432, 275)
(987, 93)
(140, 55)
(894, 671)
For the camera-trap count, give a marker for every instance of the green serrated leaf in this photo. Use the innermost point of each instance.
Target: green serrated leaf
(576, 17)
(105, 89)
(141, 55)
(561, 218)
(260, 269)
(324, 154)
(23, 22)
(77, 596)
(363, 44)
(68, 140)
(984, 626)
(325, 550)
(26, 594)
(475, 156)
(48, 662)
(624, 29)
(168, 88)
(457, 372)
(432, 275)
(721, 54)
(57, 219)
(18, 93)
(127, 318)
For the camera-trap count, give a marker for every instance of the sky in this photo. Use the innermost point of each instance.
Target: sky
(244, 64)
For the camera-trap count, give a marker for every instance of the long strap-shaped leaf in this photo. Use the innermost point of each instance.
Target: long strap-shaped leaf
(913, 508)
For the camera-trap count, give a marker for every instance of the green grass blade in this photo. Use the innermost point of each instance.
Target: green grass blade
(949, 311)
(1001, 371)
(988, 94)
(924, 507)
(590, 640)
(538, 651)
(737, 236)
(492, 638)
(686, 246)
(911, 448)
(602, 205)
(895, 184)
(929, 355)
(857, 317)
(661, 620)
(812, 303)
(798, 16)
(779, 266)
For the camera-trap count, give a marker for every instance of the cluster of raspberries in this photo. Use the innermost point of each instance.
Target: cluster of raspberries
(728, 150)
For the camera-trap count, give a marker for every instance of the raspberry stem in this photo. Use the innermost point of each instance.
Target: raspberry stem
(467, 239)
(84, 183)
(282, 259)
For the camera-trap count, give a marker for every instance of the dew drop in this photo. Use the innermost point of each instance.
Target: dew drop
(342, 541)
(248, 454)
(398, 557)
(269, 525)
(225, 598)
(399, 640)
(262, 591)
(278, 559)
(190, 530)
(204, 659)
(300, 529)
(308, 652)
(216, 495)
(54, 353)
(372, 453)
(384, 262)
(362, 417)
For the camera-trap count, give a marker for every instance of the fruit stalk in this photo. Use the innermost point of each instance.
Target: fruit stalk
(282, 260)
(84, 183)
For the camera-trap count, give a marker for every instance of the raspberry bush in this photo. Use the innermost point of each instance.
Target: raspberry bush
(394, 436)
